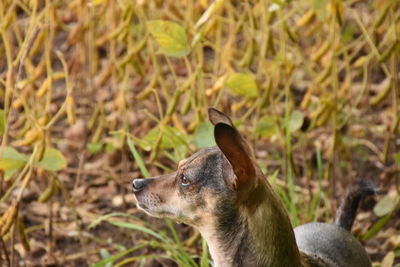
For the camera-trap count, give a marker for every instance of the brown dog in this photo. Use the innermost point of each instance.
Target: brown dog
(223, 193)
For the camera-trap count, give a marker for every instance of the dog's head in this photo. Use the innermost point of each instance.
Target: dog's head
(204, 183)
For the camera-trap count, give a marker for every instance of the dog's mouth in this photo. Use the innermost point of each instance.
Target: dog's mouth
(147, 210)
(157, 211)
(145, 205)
(141, 204)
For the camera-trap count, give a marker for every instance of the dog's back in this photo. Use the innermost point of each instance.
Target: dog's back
(330, 244)
(333, 245)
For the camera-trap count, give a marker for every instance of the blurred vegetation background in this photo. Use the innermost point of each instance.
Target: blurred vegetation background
(96, 93)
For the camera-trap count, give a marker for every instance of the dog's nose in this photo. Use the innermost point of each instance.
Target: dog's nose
(138, 185)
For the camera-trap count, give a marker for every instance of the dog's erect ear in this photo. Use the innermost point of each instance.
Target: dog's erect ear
(236, 150)
(234, 147)
(217, 116)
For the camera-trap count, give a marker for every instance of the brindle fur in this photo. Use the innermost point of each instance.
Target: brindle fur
(223, 193)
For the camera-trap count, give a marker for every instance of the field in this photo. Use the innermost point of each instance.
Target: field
(96, 93)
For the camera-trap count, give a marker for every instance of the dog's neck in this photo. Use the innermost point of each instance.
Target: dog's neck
(253, 235)
(218, 254)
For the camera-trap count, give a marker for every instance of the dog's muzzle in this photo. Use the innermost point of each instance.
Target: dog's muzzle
(138, 185)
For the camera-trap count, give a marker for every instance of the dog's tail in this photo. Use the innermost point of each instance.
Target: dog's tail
(347, 211)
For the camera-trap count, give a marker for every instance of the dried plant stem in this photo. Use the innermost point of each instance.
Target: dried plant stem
(13, 233)
(74, 212)
(6, 255)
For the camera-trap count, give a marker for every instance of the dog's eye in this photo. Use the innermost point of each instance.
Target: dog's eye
(184, 180)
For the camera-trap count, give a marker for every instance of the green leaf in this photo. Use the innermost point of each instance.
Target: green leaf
(203, 136)
(348, 33)
(53, 160)
(387, 204)
(110, 147)
(171, 138)
(170, 36)
(266, 127)
(2, 121)
(94, 148)
(11, 161)
(396, 157)
(104, 254)
(320, 8)
(296, 120)
(242, 84)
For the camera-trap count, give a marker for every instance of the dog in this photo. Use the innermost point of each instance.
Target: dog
(223, 193)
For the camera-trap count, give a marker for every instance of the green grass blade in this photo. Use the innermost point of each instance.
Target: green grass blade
(118, 256)
(140, 228)
(137, 258)
(377, 227)
(180, 252)
(138, 158)
(204, 262)
(110, 215)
